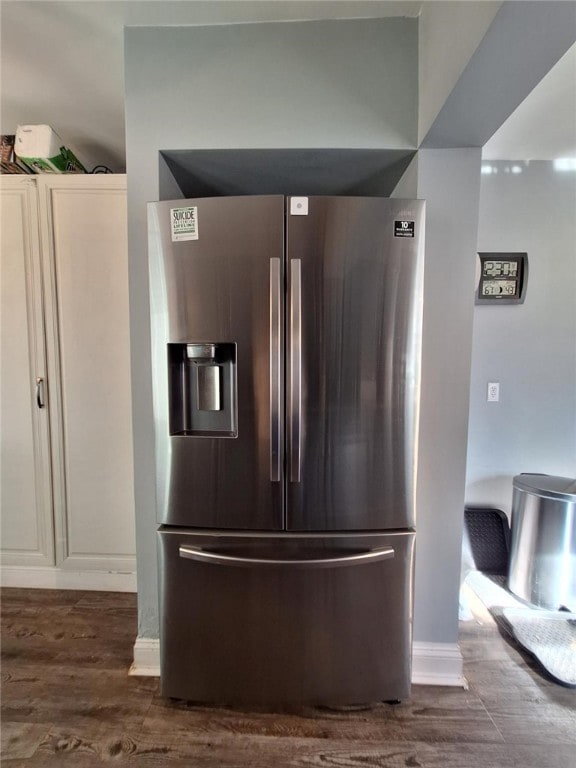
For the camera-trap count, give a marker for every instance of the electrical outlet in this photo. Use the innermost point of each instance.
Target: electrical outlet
(493, 395)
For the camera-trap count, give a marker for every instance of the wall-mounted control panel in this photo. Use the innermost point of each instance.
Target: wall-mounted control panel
(503, 278)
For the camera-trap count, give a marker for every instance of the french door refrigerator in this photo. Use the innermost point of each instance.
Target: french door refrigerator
(286, 372)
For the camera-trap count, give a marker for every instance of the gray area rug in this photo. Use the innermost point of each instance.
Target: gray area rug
(550, 636)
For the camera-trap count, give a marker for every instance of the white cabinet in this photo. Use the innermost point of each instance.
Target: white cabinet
(26, 509)
(67, 476)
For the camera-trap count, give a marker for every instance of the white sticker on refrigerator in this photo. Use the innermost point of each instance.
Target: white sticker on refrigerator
(184, 223)
(299, 206)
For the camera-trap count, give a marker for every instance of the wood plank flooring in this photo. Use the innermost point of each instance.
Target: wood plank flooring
(67, 701)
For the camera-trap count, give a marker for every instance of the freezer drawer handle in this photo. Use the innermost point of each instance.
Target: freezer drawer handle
(275, 371)
(203, 556)
(295, 399)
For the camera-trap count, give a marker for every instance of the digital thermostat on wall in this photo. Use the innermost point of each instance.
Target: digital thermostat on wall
(503, 278)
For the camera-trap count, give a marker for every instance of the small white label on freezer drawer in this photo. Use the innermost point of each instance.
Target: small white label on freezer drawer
(299, 206)
(184, 223)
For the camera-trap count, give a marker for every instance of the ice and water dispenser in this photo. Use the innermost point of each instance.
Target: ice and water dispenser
(202, 388)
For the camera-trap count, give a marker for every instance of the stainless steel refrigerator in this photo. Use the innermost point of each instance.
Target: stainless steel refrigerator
(286, 372)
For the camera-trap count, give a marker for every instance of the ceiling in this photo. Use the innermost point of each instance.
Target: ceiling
(62, 64)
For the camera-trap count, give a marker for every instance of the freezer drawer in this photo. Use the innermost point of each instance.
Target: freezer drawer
(261, 619)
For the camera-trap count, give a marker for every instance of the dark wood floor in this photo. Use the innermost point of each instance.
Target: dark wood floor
(67, 701)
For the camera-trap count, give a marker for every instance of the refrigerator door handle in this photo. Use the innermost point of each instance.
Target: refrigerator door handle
(203, 556)
(295, 395)
(275, 370)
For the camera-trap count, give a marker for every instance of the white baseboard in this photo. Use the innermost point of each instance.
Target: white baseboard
(432, 663)
(437, 664)
(146, 658)
(55, 578)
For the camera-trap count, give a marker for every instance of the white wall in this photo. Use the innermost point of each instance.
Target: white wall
(530, 348)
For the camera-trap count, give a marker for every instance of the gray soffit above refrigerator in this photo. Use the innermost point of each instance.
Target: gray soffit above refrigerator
(211, 173)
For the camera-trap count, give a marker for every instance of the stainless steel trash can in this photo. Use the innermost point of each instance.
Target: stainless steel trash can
(543, 541)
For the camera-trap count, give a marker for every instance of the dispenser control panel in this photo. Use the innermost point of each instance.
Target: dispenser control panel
(503, 278)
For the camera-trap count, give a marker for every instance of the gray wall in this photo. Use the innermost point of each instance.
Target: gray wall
(531, 348)
(440, 65)
(509, 62)
(297, 84)
(449, 181)
(320, 84)
(407, 186)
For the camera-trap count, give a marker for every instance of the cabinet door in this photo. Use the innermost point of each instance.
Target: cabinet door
(27, 534)
(86, 266)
